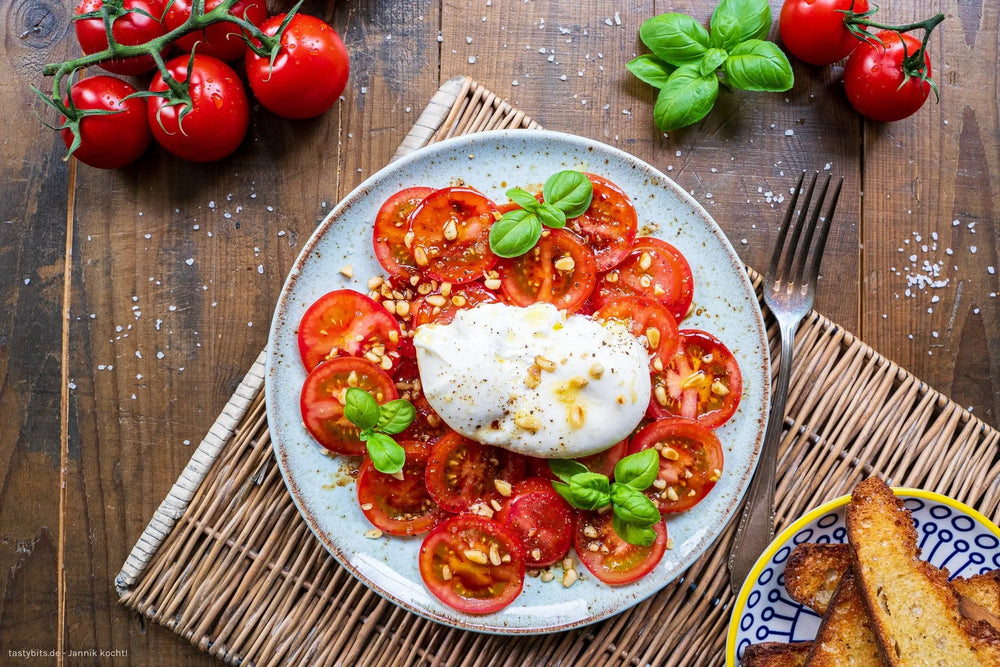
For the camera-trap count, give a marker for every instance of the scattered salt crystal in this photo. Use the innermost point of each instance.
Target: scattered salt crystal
(260, 268)
(138, 354)
(789, 133)
(973, 249)
(160, 355)
(472, 60)
(991, 270)
(189, 261)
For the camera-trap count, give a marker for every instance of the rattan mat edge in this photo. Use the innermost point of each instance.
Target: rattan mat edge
(227, 563)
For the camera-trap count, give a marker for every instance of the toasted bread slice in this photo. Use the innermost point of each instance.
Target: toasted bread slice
(914, 610)
(844, 637)
(776, 654)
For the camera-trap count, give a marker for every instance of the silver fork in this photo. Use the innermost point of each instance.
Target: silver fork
(789, 291)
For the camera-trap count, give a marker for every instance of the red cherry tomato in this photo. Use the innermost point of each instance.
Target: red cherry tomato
(399, 506)
(219, 114)
(322, 404)
(541, 519)
(473, 564)
(461, 297)
(814, 30)
(345, 322)
(610, 558)
(649, 321)
(309, 73)
(140, 24)
(426, 426)
(560, 270)
(875, 83)
(113, 140)
(391, 226)
(654, 269)
(451, 235)
(602, 462)
(702, 381)
(690, 461)
(219, 40)
(463, 472)
(609, 226)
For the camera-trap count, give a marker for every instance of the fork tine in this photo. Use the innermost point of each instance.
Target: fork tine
(801, 256)
(790, 253)
(772, 269)
(824, 232)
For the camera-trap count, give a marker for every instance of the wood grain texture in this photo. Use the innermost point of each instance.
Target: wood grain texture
(176, 267)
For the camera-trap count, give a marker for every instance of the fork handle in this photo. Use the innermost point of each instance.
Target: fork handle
(756, 528)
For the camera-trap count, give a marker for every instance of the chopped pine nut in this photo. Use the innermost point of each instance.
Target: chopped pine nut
(670, 454)
(446, 290)
(385, 364)
(645, 261)
(374, 282)
(659, 483)
(696, 379)
(367, 506)
(719, 388)
(477, 556)
(545, 364)
(503, 487)
(565, 263)
(390, 305)
(450, 231)
(420, 256)
(352, 379)
(611, 277)
(495, 504)
(399, 475)
(423, 289)
(569, 578)
(373, 534)
(660, 393)
(672, 494)
(528, 423)
(445, 573)
(653, 336)
(590, 531)
(567, 563)
(495, 554)
(576, 416)
(347, 271)
(645, 281)
(536, 554)
(436, 300)
(403, 308)
(492, 283)
(547, 576)
(670, 543)
(658, 290)
(657, 364)
(408, 239)
(459, 301)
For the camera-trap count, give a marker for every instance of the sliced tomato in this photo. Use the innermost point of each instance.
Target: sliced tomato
(391, 226)
(426, 426)
(440, 308)
(654, 269)
(610, 224)
(601, 462)
(451, 235)
(560, 270)
(399, 506)
(463, 472)
(472, 564)
(649, 321)
(610, 558)
(345, 322)
(322, 401)
(690, 462)
(702, 381)
(541, 519)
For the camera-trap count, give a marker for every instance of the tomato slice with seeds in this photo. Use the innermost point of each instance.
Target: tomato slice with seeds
(451, 235)
(690, 462)
(541, 518)
(601, 462)
(399, 506)
(472, 564)
(654, 269)
(560, 270)
(441, 309)
(322, 403)
(391, 226)
(702, 381)
(609, 226)
(345, 322)
(463, 472)
(426, 426)
(649, 321)
(610, 558)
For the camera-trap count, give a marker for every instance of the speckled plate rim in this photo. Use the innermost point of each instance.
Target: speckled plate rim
(761, 373)
(814, 515)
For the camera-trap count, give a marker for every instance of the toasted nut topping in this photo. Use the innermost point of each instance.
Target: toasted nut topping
(660, 393)
(590, 531)
(528, 423)
(420, 256)
(645, 261)
(495, 554)
(645, 281)
(671, 494)
(659, 483)
(347, 271)
(565, 263)
(450, 231)
(670, 543)
(408, 239)
(670, 454)
(532, 381)
(423, 289)
(433, 420)
(657, 364)
(402, 308)
(399, 475)
(716, 474)
(477, 556)
(373, 534)
(495, 504)
(576, 416)
(374, 282)
(545, 364)
(503, 487)
(611, 277)
(436, 300)
(414, 280)
(352, 379)
(385, 363)
(569, 578)
(459, 301)
(653, 336)
(696, 379)
(578, 381)
(445, 573)
(567, 563)
(596, 371)
(446, 290)
(505, 558)
(719, 388)
(367, 506)
(658, 290)
(390, 305)
(492, 283)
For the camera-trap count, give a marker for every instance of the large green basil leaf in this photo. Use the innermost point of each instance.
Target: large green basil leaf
(650, 69)
(515, 233)
(735, 21)
(759, 65)
(686, 99)
(674, 38)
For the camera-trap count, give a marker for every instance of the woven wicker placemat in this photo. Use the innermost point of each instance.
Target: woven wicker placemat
(227, 563)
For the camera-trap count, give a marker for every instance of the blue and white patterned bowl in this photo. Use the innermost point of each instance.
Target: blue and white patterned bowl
(951, 535)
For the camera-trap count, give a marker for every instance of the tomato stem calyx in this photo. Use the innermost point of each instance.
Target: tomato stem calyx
(914, 64)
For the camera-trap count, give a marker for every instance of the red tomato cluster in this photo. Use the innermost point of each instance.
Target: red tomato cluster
(492, 513)
(215, 123)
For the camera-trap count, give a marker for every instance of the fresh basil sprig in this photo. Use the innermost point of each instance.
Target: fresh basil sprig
(634, 512)
(378, 423)
(567, 195)
(687, 61)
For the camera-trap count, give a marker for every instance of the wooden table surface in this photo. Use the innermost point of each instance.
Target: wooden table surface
(134, 300)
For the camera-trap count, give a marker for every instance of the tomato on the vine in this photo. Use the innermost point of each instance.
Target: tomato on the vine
(220, 40)
(309, 72)
(876, 82)
(219, 113)
(816, 31)
(139, 24)
(112, 140)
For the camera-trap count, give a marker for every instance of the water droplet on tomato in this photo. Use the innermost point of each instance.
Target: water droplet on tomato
(217, 100)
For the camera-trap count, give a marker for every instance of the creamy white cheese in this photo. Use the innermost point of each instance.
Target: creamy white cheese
(534, 380)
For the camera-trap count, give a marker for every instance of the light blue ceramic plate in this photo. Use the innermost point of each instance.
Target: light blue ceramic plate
(951, 535)
(493, 162)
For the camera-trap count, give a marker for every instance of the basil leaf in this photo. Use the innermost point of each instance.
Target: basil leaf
(590, 490)
(735, 21)
(563, 490)
(638, 470)
(569, 191)
(759, 65)
(650, 69)
(395, 416)
(360, 408)
(674, 38)
(633, 506)
(566, 468)
(386, 454)
(515, 233)
(641, 536)
(711, 61)
(686, 99)
(550, 216)
(523, 198)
